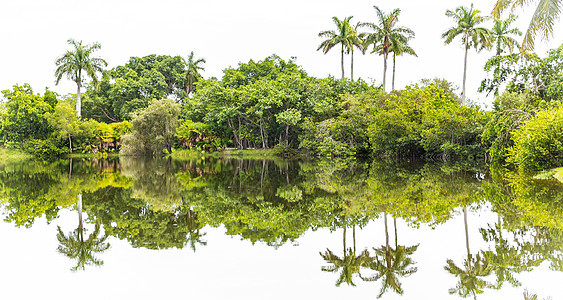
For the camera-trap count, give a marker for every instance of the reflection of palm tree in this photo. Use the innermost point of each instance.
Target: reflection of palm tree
(391, 264)
(74, 246)
(349, 263)
(475, 267)
(194, 236)
(505, 260)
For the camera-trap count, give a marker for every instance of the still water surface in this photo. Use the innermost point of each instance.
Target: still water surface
(130, 228)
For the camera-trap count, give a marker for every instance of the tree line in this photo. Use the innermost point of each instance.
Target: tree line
(154, 104)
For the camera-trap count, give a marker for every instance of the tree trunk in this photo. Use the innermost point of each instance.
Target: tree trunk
(78, 102)
(352, 64)
(395, 224)
(464, 75)
(70, 143)
(393, 80)
(344, 239)
(466, 231)
(342, 61)
(384, 69)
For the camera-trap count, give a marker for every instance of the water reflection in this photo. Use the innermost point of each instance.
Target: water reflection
(163, 204)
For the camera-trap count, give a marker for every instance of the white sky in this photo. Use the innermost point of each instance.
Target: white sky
(34, 33)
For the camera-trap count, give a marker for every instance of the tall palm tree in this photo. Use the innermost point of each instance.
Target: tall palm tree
(386, 33)
(398, 47)
(344, 36)
(358, 41)
(501, 35)
(192, 73)
(391, 264)
(77, 64)
(467, 22)
(542, 23)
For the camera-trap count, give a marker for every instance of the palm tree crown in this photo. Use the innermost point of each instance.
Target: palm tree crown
(386, 33)
(472, 36)
(345, 36)
(501, 34)
(77, 64)
(192, 73)
(546, 14)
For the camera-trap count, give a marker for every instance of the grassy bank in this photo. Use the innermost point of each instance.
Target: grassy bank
(7, 155)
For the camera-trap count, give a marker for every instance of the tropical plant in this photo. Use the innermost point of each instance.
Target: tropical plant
(386, 34)
(345, 36)
(77, 64)
(543, 20)
(400, 47)
(359, 42)
(192, 73)
(501, 35)
(467, 20)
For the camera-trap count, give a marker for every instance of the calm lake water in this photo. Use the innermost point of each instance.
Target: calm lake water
(131, 228)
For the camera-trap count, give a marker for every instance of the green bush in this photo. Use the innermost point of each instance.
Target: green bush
(197, 136)
(153, 129)
(538, 144)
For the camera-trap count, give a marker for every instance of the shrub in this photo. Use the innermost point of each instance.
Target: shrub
(538, 144)
(153, 129)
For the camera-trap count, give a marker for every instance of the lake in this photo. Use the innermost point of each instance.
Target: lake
(133, 228)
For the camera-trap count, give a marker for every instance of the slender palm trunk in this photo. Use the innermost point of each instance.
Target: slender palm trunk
(342, 61)
(354, 238)
(386, 231)
(466, 231)
(393, 80)
(395, 225)
(352, 65)
(79, 206)
(78, 102)
(344, 239)
(464, 75)
(384, 69)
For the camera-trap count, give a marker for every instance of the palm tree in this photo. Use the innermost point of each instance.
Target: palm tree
(546, 14)
(386, 33)
(192, 73)
(467, 20)
(78, 63)
(391, 264)
(501, 34)
(358, 41)
(475, 267)
(75, 247)
(398, 47)
(344, 36)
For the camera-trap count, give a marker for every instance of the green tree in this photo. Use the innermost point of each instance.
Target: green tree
(543, 20)
(77, 64)
(153, 129)
(65, 122)
(386, 34)
(467, 21)
(345, 36)
(192, 72)
(501, 35)
(24, 114)
(399, 47)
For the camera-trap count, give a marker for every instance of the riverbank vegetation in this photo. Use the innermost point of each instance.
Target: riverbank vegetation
(157, 103)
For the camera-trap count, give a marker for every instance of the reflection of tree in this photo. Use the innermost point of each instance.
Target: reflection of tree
(193, 226)
(391, 264)
(348, 265)
(74, 245)
(475, 267)
(505, 260)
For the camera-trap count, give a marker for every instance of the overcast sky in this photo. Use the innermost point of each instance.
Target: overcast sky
(34, 33)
